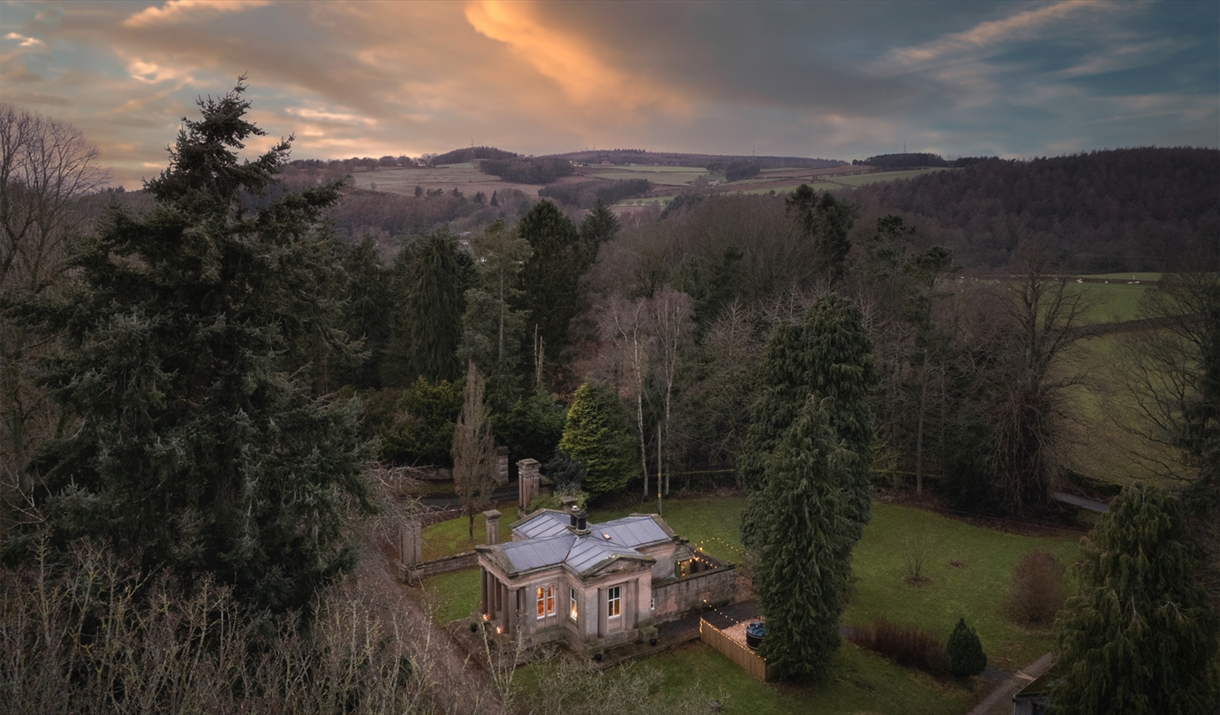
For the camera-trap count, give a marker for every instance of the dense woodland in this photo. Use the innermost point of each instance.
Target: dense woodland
(1102, 212)
(198, 380)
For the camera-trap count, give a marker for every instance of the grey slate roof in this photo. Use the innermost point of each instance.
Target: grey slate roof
(546, 541)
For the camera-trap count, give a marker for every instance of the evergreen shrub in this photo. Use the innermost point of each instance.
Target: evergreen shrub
(966, 655)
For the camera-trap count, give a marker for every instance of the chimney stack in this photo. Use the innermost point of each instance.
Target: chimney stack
(579, 523)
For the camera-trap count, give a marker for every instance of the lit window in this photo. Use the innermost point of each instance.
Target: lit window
(550, 600)
(614, 601)
(572, 603)
(541, 602)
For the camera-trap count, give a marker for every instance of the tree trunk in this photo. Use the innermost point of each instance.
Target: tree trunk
(923, 399)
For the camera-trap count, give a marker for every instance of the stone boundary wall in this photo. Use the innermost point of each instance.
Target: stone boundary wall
(677, 597)
(449, 564)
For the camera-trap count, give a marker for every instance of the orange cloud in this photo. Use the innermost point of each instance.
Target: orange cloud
(571, 62)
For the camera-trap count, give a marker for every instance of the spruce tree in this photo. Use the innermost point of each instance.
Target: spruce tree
(599, 227)
(194, 443)
(804, 546)
(550, 278)
(596, 437)
(436, 299)
(830, 355)
(966, 655)
(1139, 637)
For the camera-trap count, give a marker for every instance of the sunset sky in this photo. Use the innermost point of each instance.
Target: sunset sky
(838, 80)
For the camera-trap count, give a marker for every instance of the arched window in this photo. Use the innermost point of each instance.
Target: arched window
(541, 602)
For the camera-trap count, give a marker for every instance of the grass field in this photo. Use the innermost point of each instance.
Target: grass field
(830, 184)
(464, 177)
(1110, 302)
(658, 175)
(975, 591)
(861, 683)
(446, 538)
(1145, 277)
(1102, 449)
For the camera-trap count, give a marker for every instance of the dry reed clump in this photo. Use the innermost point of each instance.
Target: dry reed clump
(907, 646)
(94, 636)
(1036, 592)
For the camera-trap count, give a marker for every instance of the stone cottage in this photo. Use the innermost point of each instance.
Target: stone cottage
(565, 579)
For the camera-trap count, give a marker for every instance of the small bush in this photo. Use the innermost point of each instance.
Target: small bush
(966, 655)
(907, 646)
(915, 553)
(1036, 591)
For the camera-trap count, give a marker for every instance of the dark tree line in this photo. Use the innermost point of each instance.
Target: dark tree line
(585, 194)
(1105, 211)
(542, 170)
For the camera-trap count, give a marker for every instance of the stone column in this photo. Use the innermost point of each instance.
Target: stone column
(528, 479)
(501, 465)
(492, 517)
(411, 545)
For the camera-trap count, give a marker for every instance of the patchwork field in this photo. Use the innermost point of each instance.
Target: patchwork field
(464, 177)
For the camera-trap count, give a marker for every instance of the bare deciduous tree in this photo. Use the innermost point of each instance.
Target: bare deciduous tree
(671, 318)
(45, 168)
(1029, 383)
(627, 325)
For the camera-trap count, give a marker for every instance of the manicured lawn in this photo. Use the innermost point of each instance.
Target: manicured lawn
(975, 591)
(446, 538)
(861, 683)
(453, 595)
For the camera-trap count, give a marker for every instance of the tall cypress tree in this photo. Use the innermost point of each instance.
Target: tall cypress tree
(804, 545)
(1139, 637)
(436, 300)
(195, 444)
(829, 355)
(551, 276)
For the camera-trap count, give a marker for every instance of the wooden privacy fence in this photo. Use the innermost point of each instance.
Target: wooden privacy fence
(733, 650)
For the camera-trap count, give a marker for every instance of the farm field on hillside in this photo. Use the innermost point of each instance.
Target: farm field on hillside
(1110, 302)
(762, 184)
(1103, 449)
(464, 177)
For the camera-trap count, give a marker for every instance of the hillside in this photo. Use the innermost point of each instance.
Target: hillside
(1120, 210)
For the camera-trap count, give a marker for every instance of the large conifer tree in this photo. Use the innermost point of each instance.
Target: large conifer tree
(1139, 638)
(551, 276)
(805, 545)
(436, 298)
(829, 355)
(596, 437)
(194, 443)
